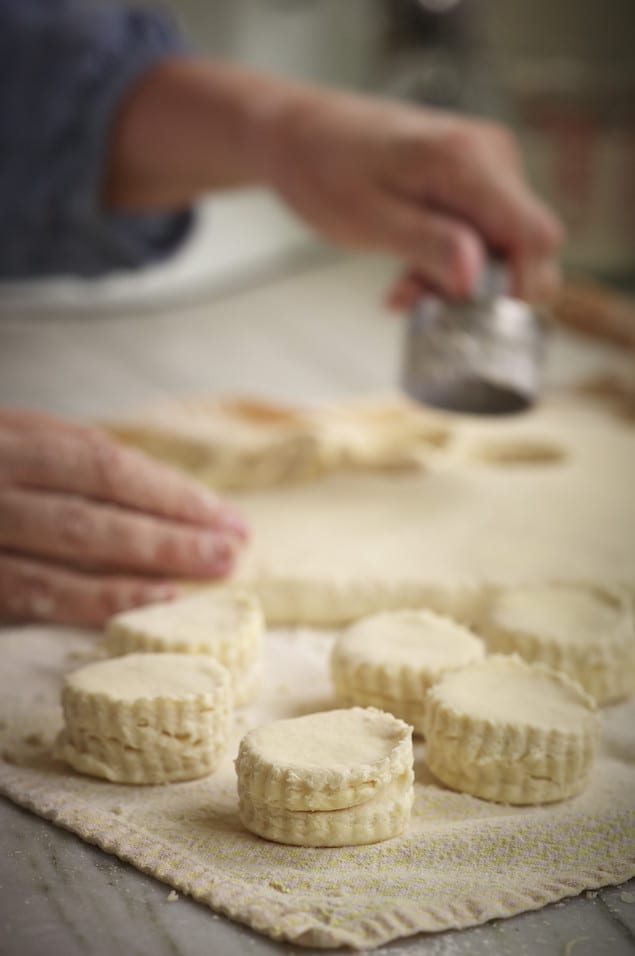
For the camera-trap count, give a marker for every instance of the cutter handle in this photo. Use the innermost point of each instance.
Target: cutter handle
(494, 280)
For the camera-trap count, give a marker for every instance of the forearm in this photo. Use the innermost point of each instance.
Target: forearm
(432, 188)
(191, 126)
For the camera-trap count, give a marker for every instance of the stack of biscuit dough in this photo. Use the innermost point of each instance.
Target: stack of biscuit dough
(337, 778)
(146, 718)
(160, 708)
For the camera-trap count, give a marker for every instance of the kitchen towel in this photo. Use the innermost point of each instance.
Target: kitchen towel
(463, 861)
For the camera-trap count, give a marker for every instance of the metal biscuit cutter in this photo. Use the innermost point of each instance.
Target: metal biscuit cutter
(482, 356)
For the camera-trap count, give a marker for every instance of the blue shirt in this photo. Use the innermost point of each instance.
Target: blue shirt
(64, 68)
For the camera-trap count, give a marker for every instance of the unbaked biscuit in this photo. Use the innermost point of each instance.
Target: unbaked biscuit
(509, 731)
(225, 622)
(336, 778)
(382, 816)
(389, 660)
(586, 632)
(146, 718)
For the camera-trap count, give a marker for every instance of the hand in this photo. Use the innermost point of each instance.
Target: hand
(89, 528)
(430, 187)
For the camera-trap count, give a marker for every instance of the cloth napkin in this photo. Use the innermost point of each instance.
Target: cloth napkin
(462, 861)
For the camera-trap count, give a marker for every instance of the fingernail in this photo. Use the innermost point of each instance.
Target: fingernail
(207, 500)
(224, 567)
(223, 516)
(160, 592)
(213, 550)
(217, 558)
(231, 521)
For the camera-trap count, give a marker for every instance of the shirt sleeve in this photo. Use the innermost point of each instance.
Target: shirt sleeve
(65, 66)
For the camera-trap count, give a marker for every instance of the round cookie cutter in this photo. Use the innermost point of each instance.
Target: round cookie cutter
(482, 356)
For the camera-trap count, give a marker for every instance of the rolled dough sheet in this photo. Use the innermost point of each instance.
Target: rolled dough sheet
(539, 498)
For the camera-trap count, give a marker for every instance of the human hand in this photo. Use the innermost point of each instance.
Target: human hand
(435, 189)
(89, 528)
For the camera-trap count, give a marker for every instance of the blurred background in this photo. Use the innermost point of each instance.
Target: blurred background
(561, 72)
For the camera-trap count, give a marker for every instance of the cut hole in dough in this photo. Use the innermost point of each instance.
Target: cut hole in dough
(518, 452)
(509, 731)
(338, 778)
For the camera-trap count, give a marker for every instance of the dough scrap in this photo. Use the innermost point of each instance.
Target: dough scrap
(390, 660)
(327, 779)
(146, 718)
(224, 622)
(244, 443)
(231, 443)
(352, 543)
(587, 633)
(511, 732)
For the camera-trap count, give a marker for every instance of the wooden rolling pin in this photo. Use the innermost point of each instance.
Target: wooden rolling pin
(596, 310)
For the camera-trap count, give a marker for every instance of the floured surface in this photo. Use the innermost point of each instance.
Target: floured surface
(546, 497)
(463, 861)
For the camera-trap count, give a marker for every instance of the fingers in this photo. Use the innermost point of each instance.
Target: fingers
(31, 418)
(28, 418)
(92, 465)
(509, 216)
(88, 533)
(528, 236)
(30, 590)
(428, 186)
(536, 280)
(444, 249)
(70, 494)
(406, 292)
(445, 253)
(470, 172)
(533, 281)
